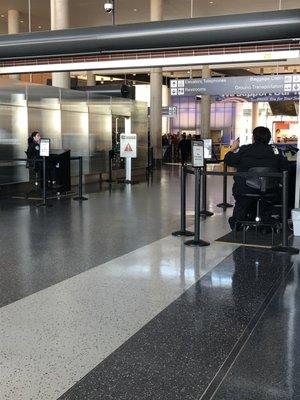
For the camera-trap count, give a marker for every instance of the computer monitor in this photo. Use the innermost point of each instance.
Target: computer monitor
(207, 143)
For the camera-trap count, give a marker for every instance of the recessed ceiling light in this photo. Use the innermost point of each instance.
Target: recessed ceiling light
(22, 22)
(40, 27)
(211, 2)
(2, 15)
(135, 9)
(134, 74)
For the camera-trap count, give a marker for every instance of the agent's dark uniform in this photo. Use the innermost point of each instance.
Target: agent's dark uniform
(251, 156)
(33, 152)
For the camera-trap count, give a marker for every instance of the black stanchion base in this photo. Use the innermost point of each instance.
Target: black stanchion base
(206, 213)
(224, 205)
(109, 181)
(80, 198)
(194, 243)
(286, 249)
(127, 182)
(46, 205)
(183, 233)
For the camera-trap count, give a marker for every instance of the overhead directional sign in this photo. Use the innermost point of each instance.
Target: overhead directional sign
(169, 111)
(294, 96)
(239, 85)
(128, 145)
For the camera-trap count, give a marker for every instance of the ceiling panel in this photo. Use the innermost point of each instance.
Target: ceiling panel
(91, 12)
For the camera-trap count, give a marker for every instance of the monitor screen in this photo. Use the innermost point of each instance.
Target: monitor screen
(207, 143)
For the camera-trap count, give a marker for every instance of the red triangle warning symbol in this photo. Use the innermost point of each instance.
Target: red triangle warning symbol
(128, 147)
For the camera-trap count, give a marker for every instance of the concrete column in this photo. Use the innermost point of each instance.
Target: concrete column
(91, 78)
(156, 14)
(205, 107)
(156, 10)
(60, 19)
(13, 28)
(255, 114)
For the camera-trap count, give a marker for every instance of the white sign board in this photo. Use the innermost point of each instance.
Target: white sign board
(45, 147)
(128, 145)
(198, 154)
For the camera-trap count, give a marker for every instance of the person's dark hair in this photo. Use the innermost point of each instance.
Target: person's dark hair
(184, 135)
(32, 135)
(262, 134)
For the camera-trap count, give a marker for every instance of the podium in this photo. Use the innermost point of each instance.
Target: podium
(59, 169)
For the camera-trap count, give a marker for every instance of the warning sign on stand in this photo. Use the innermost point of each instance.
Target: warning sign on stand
(128, 145)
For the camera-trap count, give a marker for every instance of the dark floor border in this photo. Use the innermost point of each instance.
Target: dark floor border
(217, 381)
(183, 353)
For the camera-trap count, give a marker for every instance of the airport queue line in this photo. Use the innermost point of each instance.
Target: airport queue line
(87, 325)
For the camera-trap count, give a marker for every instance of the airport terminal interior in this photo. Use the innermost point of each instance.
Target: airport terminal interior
(149, 200)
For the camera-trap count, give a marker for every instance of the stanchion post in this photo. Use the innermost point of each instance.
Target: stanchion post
(197, 241)
(80, 196)
(110, 157)
(44, 203)
(204, 210)
(44, 183)
(224, 204)
(110, 168)
(285, 248)
(183, 231)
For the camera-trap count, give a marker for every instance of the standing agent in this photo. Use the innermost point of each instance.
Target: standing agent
(257, 154)
(33, 151)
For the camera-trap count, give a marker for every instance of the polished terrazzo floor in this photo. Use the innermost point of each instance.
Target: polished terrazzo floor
(99, 301)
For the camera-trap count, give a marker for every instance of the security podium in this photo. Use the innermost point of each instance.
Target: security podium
(59, 169)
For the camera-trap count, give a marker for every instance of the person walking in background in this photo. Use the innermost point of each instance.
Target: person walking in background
(184, 148)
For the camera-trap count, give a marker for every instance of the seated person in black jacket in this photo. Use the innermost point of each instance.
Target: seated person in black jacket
(258, 154)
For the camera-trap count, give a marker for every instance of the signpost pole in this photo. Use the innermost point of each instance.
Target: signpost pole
(198, 163)
(44, 153)
(128, 170)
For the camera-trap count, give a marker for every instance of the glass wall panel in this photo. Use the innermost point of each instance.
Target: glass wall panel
(89, 13)
(71, 119)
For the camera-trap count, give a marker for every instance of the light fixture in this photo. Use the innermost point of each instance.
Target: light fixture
(211, 2)
(135, 9)
(22, 22)
(109, 7)
(134, 74)
(39, 27)
(2, 15)
(142, 63)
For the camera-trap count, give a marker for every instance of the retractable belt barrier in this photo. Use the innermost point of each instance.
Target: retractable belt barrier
(200, 173)
(80, 196)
